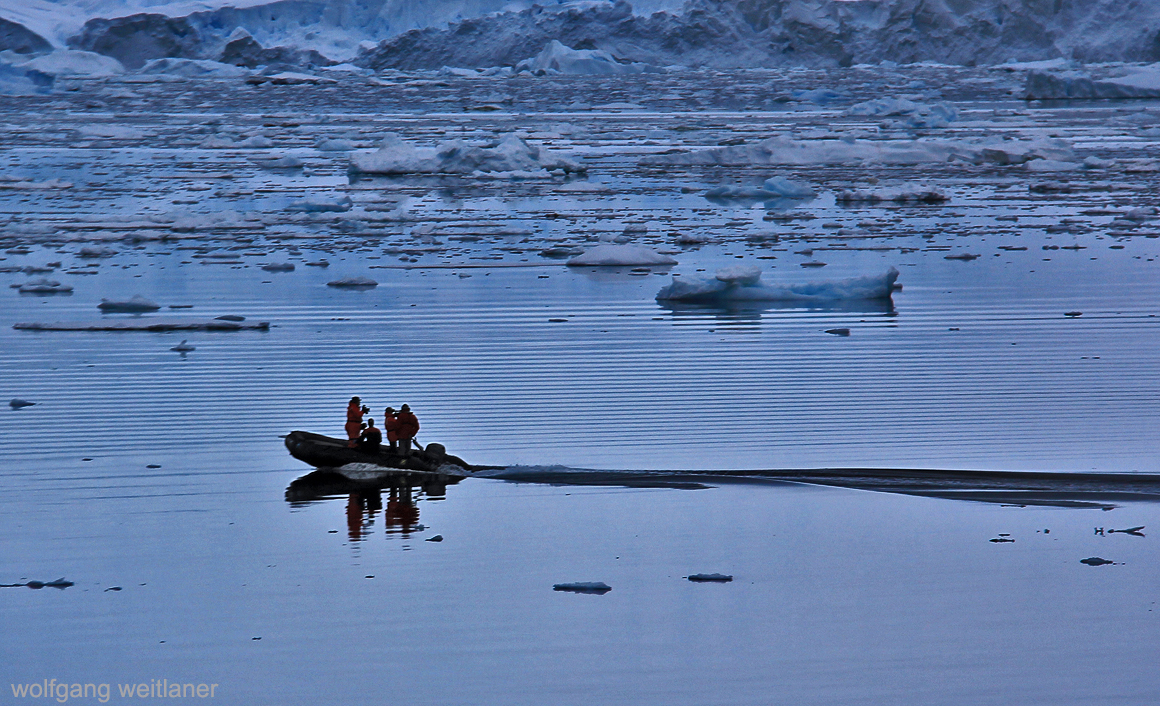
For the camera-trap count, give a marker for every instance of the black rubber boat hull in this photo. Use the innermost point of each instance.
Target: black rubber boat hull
(327, 452)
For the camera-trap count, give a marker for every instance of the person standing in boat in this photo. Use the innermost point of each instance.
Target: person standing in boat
(391, 424)
(408, 429)
(354, 414)
(371, 438)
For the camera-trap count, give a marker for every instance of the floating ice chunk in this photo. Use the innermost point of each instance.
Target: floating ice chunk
(740, 192)
(256, 141)
(291, 78)
(710, 578)
(788, 189)
(353, 283)
(820, 96)
(316, 204)
(559, 59)
(1139, 82)
(67, 62)
(509, 154)
(335, 144)
(896, 195)
(741, 275)
(136, 304)
(277, 161)
(193, 68)
(740, 286)
(44, 285)
(611, 255)
(18, 403)
(1052, 165)
(597, 587)
(915, 115)
(16, 81)
(279, 267)
(99, 251)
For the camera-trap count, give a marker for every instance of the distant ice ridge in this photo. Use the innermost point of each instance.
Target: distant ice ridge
(743, 284)
(511, 155)
(752, 33)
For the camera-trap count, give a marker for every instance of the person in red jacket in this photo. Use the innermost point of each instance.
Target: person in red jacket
(354, 414)
(408, 428)
(391, 425)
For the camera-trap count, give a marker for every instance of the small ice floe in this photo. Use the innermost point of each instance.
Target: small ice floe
(838, 331)
(597, 587)
(101, 251)
(436, 538)
(510, 155)
(65, 62)
(279, 267)
(59, 583)
(230, 317)
(291, 78)
(318, 263)
(353, 283)
(743, 283)
(335, 144)
(1134, 531)
(135, 305)
(710, 578)
(1096, 561)
(1139, 82)
(813, 263)
(611, 255)
(1073, 314)
(773, 188)
(18, 403)
(322, 204)
(964, 256)
(43, 285)
(183, 347)
(278, 162)
(559, 252)
(895, 195)
(909, 113)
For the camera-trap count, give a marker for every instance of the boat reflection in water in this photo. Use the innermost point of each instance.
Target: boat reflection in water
(364, 498)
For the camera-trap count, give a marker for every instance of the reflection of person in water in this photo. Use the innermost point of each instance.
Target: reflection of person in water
(402, 512)
(359, 505)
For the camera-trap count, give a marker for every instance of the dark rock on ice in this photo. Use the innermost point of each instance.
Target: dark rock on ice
(597, 587)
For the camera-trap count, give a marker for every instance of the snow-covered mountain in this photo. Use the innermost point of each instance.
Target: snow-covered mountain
(418, 34)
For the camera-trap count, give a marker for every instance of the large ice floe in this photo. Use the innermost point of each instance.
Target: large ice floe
(907, 112)
(743, 284)
(559, 59)
(1137, 82)
(75, 63)
(612, 255)
(510, 155)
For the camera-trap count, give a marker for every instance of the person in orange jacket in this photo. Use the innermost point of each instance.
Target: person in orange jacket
(371, 438)
(354, 414)
(408, 428)
(391, 425)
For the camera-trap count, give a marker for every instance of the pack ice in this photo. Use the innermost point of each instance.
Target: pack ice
(743, 284)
